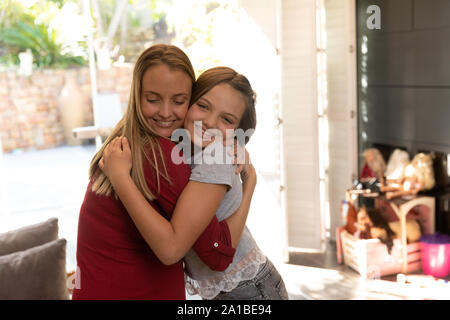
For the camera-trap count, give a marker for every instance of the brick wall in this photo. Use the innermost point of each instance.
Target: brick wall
(30, 108)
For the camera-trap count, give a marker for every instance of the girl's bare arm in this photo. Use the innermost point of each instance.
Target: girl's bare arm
(170, 240)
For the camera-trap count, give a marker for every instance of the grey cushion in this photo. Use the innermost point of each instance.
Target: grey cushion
(29, 236)
(36, 273)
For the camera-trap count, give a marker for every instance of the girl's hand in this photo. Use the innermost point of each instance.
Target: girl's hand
(116, 160)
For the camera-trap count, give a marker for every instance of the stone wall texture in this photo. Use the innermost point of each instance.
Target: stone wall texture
(30, 106)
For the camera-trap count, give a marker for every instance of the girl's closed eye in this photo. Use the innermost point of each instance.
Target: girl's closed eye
(227, 120)
(202, 106)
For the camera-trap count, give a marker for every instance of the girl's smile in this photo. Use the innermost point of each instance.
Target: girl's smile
(218, 110)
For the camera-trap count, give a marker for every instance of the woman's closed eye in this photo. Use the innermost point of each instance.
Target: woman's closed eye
(152, 99)
(202, 106)
(179, 102)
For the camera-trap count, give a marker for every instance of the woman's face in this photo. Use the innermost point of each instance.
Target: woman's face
(220, 108)
(165, 98)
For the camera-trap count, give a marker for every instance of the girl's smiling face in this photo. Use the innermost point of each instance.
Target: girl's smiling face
(165, 98)
(221, 108)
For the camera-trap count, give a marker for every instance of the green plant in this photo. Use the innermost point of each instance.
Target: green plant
(41, 40)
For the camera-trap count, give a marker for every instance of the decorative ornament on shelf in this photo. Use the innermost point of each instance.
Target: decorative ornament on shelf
(418, 175)
(373, 165)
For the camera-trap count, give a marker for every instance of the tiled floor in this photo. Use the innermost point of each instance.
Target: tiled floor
(319, 276)
(325, 260)
(38, 185)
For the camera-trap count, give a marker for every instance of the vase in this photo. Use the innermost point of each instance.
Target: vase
(71, 108)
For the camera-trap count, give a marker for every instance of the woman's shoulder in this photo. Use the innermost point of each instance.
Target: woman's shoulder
(168, 149)
(173, 155)
(174, 177)
(165, 141)
(178, 172)
(166, 144)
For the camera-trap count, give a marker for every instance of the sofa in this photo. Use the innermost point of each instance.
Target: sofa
(33, 263)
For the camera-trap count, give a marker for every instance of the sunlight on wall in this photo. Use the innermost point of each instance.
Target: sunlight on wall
(252, 54)
(322, 89)
(71, 28)
(232, 38)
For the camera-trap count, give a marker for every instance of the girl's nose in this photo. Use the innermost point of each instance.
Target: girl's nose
(209, 121)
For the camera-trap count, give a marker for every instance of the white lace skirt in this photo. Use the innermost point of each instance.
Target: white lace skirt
(245, 269)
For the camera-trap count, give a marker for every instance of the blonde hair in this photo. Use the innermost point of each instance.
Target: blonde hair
(398, 160)
(423, 165)
(134, 126)
(377, 165)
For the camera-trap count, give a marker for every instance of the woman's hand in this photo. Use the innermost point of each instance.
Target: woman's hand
(244, 165)
(248, 176)
(116, 160)
(240, 155)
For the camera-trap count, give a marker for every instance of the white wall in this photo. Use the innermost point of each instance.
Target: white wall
(290, 26)
(300, 174)
(341, 75)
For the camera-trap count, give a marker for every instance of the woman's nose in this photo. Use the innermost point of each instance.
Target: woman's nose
(165, 111)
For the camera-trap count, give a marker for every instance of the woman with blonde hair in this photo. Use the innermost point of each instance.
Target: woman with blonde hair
(222, 101)
(114, 260)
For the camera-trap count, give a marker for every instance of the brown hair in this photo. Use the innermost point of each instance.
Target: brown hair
(214, 76)
(134, 126)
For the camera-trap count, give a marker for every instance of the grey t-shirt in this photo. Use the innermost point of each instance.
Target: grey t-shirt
(219, 174)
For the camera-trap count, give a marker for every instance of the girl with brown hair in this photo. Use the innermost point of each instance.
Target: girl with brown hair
(222, 100)
(114, 260)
